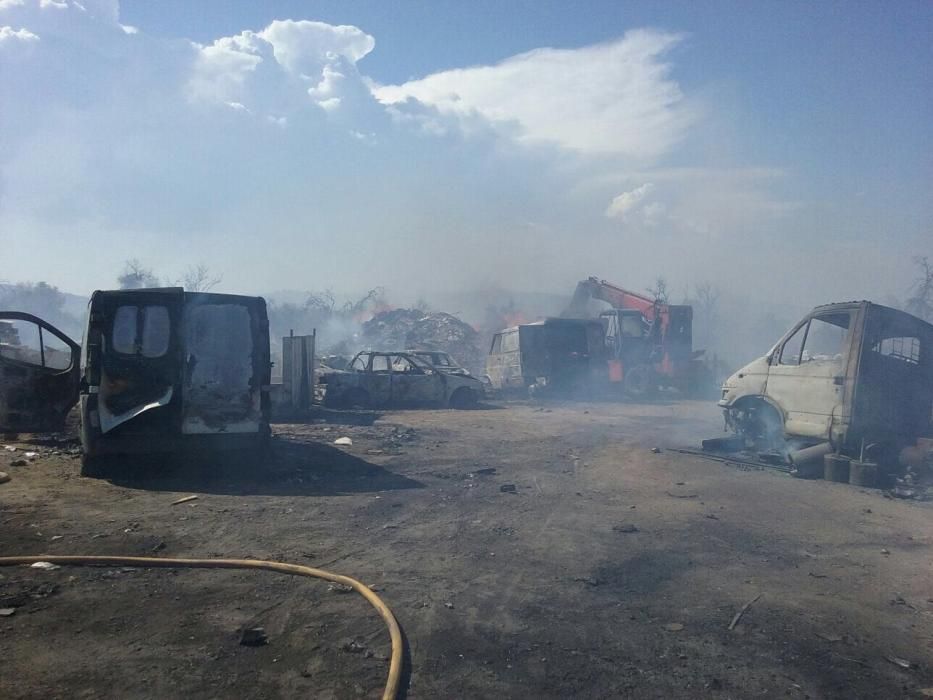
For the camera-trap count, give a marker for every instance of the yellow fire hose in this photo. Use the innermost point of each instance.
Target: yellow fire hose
(395, 663)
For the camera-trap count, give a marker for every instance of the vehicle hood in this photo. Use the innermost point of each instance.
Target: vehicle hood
(748, 381)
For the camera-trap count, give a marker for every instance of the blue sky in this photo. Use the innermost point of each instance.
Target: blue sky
(783, 148)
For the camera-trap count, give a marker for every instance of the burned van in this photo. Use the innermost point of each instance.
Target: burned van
(850, 374)
(166, 370)
(562, 355)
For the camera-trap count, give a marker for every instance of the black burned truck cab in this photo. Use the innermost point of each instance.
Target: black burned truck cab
(166, 370)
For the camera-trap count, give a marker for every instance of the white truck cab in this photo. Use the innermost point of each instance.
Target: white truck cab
(846, 373)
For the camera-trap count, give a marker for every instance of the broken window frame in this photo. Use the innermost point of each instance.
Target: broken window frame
(41, 347)
(144, 317)
(805, 326)
(897, 343)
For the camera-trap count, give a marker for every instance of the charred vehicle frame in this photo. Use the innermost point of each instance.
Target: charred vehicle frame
(852, 375)
(166, 370)
(375, 378)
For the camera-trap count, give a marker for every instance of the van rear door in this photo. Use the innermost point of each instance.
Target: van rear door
(39, 374)
(133, 340)
(226, 363)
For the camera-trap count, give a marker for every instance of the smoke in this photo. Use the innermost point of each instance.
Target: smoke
(273, 156)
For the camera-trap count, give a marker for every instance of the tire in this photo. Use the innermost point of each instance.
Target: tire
(761, 423)
(463, 398)
(94, 466)
(640, 382)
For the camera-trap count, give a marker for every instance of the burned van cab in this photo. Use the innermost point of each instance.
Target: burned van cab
(166, 370)
(850, 374)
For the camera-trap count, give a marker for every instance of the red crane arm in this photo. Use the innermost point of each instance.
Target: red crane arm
(594, 288)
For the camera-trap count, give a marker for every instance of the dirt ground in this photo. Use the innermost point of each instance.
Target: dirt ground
(609, 571)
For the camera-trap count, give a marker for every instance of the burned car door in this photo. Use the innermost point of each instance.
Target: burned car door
(377, 381)
(136, 336)
(415, 382)
(807, 377)
(39, 374)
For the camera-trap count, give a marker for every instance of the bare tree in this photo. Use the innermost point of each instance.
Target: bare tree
(135, 276)
(920, 302)
(707, 304)
(199, 278)
(659, 291)
(373, 297)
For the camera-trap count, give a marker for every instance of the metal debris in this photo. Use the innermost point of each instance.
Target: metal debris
(399, 329)
(253, 637)
(185, 499)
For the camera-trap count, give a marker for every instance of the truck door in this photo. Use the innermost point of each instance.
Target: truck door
(529, 358)
(39, 374)
(807, 375)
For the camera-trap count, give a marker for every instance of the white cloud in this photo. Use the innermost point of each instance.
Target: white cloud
(7, 4)
(8, 34)
(306, 48)
(622, 205)
(132, 140)
(615, 98)
(286, 58)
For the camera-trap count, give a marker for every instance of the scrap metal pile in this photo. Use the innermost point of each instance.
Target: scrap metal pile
(401, 329)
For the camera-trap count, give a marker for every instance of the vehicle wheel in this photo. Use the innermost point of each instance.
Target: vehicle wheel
(759, 422)
(463, 398)
(640, 382)
(94, 466)
(358, 398)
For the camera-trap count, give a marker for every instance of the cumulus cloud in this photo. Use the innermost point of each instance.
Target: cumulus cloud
(8, 34)
(112, 142)
(622, 205)
(306, 48)
(615, 98)
(286, 57)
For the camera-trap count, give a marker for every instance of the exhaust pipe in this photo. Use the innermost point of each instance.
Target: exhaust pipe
(808, 462)
(810, 454)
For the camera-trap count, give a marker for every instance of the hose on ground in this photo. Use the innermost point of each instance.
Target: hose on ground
(395, 633)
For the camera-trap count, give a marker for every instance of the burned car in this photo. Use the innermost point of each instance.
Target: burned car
(398, 378)
(851, 376)
(39, 374)
(166, 370)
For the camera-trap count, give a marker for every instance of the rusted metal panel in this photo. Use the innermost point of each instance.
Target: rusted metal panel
(298, 352)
